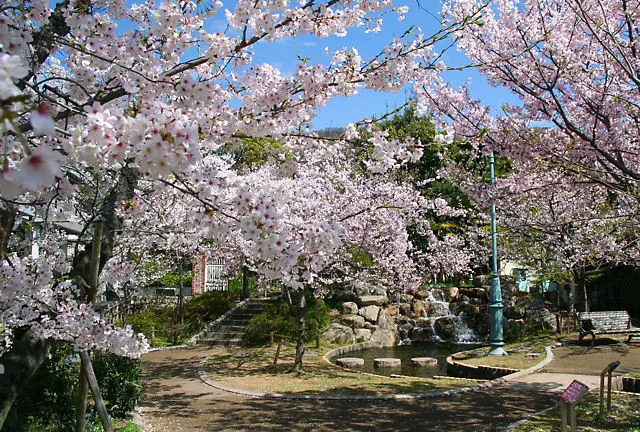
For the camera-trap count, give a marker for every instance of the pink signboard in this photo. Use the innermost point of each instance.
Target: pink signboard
(574, 392)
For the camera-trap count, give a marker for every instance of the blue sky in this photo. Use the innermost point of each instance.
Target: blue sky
(284, 54)
(340, 111)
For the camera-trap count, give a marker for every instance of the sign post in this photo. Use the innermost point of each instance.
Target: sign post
(569, 398)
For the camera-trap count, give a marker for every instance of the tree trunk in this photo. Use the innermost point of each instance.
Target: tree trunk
(20, 363)
(572, 295)
(245, 282)
(302, 329)
(27, 353)
(86, 371)
(7, 220)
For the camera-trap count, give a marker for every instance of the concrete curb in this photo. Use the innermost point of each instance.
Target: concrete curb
(486, 385)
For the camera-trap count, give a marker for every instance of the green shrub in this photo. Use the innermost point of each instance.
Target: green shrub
(47, 402)
(143, 322)
(207, 307)
(172, 279)
(169, 330)
(119, 381)
(282, 319)
(235, 285)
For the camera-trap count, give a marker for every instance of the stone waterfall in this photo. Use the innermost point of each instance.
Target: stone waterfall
(436, 314)
(441, 315)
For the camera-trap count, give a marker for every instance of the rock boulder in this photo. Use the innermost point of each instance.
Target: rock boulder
(445, 329)
(438, 294)
(370, 313)
(362, 334)
(422, 334)
(350, 308)
(352, 320)
(350, 362)
(387, 362)
(451, 294)
(385, 337)
(418, 308)
(368, 300)
(385, 322)
(421, 295)
(436, 309)
(424, 362)
(338, 333)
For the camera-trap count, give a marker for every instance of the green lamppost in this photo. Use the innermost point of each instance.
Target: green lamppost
(495, 300)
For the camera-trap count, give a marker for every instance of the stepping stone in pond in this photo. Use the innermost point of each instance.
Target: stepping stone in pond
(350, 362)
(387, 362)
(424, 362)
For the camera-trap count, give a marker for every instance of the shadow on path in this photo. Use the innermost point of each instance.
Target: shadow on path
(176, 400)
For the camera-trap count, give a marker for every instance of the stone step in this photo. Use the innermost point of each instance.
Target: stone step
(241, 315)
(226, 330)
(230, 328)
(225, 342)
(231, 331)
(225, 335)
(255, 308)
(237, 322)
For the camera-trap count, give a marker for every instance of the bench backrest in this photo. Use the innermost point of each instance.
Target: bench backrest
(607, 320)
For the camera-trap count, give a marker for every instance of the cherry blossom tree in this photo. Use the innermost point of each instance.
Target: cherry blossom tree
(297, 221)
(572, 137)
(135, 95)
(573, 65)
(565, 230)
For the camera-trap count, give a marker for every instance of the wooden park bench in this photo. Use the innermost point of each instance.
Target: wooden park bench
(606, 322)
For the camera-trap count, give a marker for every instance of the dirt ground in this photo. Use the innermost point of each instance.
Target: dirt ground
(582, 358)
(176, 400)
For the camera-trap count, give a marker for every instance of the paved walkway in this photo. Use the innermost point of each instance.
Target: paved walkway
(176, 400)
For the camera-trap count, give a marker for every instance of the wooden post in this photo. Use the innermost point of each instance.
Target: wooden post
(571, 407)
(601, 412)
(83, 388)
(275, 359)
(609, 392)
(97, 397)
(572, 414)
(318, 343)
(271, 336)
(606, 371)
(153, 336)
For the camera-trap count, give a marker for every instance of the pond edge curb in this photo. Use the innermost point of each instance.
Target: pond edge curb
(261, 395)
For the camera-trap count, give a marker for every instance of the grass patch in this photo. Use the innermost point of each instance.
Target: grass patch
(253, 370)
(517, 358)
(624, 416)
(126, 426)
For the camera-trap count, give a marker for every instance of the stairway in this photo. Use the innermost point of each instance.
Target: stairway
(231, 330)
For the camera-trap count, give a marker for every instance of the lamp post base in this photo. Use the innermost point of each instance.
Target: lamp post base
(497, 351)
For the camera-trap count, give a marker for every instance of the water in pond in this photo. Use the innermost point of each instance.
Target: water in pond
(405, 353)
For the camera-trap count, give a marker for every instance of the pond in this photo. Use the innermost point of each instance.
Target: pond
(405, 353)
